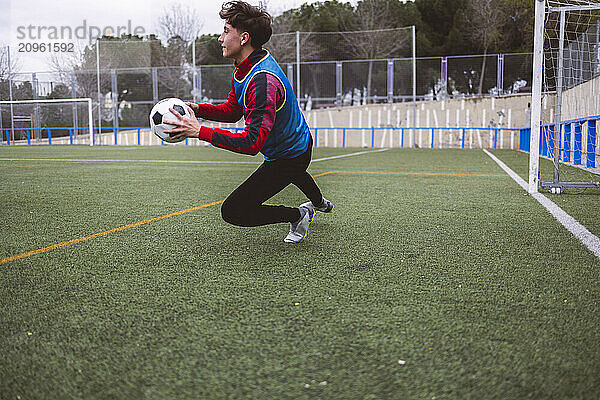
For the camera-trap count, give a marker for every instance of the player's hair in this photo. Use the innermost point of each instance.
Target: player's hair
(247, 18)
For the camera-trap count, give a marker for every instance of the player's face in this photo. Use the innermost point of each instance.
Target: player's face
(231, 41)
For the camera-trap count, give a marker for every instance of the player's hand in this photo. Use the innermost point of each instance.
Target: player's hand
(194, 107)
(184, 127)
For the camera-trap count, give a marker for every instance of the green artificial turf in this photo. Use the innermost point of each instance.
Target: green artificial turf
(582, 204)
(436, 276)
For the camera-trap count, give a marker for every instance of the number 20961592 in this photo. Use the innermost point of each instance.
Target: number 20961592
(26, 47)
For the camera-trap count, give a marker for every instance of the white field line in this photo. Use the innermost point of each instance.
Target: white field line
(174, 161)
(591, 241)
(348, 155)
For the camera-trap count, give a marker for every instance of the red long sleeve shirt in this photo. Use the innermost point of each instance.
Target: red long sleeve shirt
(264, 95)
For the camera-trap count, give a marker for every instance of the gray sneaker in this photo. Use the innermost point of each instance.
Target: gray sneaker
(326, 207)
(299, 229)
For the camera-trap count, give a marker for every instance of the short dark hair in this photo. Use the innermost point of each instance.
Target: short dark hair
(247, 18)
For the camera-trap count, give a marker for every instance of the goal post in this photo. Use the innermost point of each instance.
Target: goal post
(536, 95)
(48, 116)
(565, 96)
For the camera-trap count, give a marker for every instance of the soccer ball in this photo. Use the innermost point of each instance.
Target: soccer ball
(160, 112)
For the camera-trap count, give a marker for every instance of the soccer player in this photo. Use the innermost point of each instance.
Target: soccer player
(274, 126)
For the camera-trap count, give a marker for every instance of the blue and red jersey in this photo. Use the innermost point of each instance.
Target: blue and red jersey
(262, 94)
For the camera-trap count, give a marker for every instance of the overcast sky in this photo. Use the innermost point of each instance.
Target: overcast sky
(16, 17)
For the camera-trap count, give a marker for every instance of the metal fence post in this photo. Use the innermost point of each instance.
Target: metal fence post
(338, 83)
(10, 135)
(36, 107)
(74, 106)
(500, 74)
(390, 81)
(581, 67)
(298, 64)
(290, 73)
(194, 73)
(154, 85)
(99, 90)
(414, 73)
(115, 97)
(444, 74)
(199, 81)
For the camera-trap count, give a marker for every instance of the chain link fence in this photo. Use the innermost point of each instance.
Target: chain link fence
(323, 68)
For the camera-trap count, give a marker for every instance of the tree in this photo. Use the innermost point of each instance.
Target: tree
(179, 21)
(441, 28)
(484, 20)
(518, 23)
(377, 17)
(55, 115)
(5, 68)
(209, 51)
(327, 16)
(283, 41)
(7, 73)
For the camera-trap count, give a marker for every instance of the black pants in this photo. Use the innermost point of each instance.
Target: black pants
(244, 207)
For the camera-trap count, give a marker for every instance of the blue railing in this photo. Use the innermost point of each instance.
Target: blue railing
(572, 133)
(432, 133)
(49, 133)
(29, 134)
(71, 132)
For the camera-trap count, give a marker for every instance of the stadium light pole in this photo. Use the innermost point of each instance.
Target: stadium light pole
(536, 96)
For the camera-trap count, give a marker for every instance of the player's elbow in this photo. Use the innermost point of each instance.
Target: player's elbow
(255, 143)
(233, 118)
(235, 114)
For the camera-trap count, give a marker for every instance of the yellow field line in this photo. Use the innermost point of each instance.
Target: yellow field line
(324, 173)
(147, 221)
(95, 235)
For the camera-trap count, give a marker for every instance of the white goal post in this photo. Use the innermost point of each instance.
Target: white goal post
(536, 95)
(80, 100)
(565, 104)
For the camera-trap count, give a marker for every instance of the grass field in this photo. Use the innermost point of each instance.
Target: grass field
(436, 276)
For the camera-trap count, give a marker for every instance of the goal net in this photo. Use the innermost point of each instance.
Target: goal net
(569, 99)
(52, 121)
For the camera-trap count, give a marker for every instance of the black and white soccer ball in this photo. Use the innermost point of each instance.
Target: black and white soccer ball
(160, 112)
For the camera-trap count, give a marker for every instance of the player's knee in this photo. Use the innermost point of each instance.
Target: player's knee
(231, 212)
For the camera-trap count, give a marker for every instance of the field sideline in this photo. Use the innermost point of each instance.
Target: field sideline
(436, 276)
